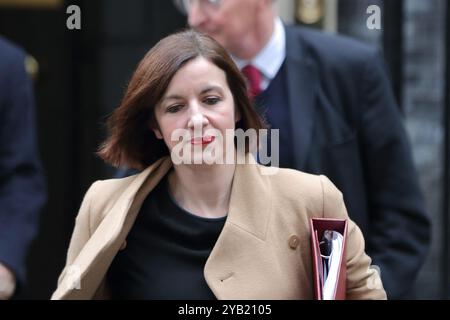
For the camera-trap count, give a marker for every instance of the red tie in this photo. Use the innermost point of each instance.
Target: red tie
(254, 80)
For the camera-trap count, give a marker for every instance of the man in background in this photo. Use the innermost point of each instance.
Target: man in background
(333, 103)
(22, 187)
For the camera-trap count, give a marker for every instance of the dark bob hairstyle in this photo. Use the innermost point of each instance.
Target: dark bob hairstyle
(131, 142)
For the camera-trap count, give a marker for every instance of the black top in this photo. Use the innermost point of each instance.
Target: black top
(166, 252)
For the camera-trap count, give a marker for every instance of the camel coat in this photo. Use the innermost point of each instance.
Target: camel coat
(263, 251)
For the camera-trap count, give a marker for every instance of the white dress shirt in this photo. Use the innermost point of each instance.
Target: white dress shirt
(271, 57)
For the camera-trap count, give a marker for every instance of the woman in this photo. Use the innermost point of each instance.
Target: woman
(191, 225)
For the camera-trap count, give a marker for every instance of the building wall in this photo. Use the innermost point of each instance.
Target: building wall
(423, 86)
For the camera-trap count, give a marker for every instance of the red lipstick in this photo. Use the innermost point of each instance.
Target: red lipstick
(203, 140)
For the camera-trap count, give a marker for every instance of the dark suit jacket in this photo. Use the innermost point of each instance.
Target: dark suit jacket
(22, 191)
(347, 126)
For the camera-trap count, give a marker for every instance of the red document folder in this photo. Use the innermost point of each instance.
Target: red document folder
(318, 226)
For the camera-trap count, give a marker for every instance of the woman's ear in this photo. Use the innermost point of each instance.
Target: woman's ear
(157, 133)
(155, 128)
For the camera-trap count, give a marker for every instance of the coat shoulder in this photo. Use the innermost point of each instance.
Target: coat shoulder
(12, 61)
(103, 195)
(315, 191)
(333, 48)
(10, 52)
(295, 178)
(297, 188)
(109, 187)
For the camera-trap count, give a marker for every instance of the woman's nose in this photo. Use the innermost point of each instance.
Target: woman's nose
(197, 119)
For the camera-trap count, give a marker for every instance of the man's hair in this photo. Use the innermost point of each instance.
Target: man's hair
(131, 141)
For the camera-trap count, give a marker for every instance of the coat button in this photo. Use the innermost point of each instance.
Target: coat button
(294, 241)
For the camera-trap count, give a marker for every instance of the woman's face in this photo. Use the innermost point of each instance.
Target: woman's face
(196, 111)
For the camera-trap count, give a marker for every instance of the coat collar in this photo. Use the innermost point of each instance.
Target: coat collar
(248, 217)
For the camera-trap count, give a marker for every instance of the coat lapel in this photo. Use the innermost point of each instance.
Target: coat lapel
(302, 80)
(96, 256)
(229, 268)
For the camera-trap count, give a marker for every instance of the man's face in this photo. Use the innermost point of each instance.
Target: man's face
(228, 22)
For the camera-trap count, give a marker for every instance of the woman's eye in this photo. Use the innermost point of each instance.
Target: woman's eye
(175, 108)
(211, 100)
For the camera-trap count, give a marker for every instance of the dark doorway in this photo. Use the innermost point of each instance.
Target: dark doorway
(82, 74)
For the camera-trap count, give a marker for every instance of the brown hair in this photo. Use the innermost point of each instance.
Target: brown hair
(130, 141)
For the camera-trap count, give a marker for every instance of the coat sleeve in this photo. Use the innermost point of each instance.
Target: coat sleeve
(363, 280)
(399, 230)
(22, 185)
(80, 234)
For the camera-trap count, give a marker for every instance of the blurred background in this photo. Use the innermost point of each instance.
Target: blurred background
(80, 76)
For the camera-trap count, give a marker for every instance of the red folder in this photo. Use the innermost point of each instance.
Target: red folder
(317, 227)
